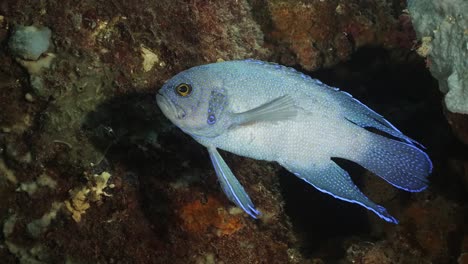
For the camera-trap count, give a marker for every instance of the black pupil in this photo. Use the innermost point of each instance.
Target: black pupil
(183, 88)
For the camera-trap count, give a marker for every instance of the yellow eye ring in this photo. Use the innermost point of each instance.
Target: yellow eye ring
(183, 89)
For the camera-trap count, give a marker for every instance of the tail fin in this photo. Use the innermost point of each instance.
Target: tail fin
(400, 164)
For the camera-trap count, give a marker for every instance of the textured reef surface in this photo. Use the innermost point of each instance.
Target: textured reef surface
(442, 27)
(92, 172)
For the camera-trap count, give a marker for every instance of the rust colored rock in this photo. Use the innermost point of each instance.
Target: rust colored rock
(323, 33)
(436, 220)
(201, 31)
(226, 30)
(199, 217)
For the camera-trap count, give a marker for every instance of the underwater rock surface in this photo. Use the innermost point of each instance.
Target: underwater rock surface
(29, 42)
(323, 33)
(92, 172)
(442, 26)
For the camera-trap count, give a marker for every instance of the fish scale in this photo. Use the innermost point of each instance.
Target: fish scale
(270, 112)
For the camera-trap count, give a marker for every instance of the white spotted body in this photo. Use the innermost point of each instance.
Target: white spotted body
(270, 112)
(299, 140)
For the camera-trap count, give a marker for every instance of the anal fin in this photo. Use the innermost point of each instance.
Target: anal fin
(332, 179)
(231, 186)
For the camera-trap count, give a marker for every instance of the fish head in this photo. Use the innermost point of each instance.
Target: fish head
(195, 101)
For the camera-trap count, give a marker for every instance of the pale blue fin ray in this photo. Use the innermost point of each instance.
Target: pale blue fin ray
(281, 108)
(332, 179)
(230, 185)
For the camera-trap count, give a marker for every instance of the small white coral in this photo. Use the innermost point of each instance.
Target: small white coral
(42, 181)
(81, 197)
(100, 183)
(78, 203)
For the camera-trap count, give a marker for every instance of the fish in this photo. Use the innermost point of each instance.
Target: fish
(267, 111)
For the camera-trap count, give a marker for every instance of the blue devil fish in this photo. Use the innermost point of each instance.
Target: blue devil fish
(270, 112)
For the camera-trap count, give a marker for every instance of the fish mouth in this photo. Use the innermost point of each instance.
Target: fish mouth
(169, 109)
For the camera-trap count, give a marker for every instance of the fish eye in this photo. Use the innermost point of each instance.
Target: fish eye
(183, 89)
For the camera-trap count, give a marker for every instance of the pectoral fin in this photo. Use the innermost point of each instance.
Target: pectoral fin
(231, 186)
(281, 108)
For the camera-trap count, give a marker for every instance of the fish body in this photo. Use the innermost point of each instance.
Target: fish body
(270, 112)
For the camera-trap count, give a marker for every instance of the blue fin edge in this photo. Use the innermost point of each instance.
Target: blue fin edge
(388, 218)
(234, 188)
